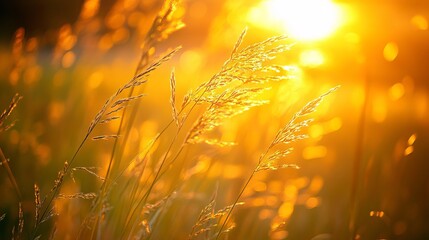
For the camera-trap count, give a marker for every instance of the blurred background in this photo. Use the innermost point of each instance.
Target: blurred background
(364, 168)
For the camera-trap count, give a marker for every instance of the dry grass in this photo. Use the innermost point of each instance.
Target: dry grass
(288, 134)
(6, 113)
(135, 197)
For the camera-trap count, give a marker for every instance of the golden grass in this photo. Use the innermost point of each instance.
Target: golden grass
(133, 198)
(6, 113)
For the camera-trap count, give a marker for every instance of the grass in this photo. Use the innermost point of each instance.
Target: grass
(141, 197)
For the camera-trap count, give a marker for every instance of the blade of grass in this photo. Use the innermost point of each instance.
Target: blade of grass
(10, 175)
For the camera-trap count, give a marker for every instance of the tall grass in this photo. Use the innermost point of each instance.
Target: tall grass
(136, 198)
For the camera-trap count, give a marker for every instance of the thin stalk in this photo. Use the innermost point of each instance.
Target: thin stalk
(10, 175)
(146, 195)
(144, 60)
(149, 43)
(56, 190)
(242, 190)
(358, 157)
(123, 170)
(115, 144)
(157, 175)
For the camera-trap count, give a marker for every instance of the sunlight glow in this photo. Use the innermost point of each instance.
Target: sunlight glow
(311, 58)
(304, 20)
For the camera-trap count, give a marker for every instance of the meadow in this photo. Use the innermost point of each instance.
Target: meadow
(210, 120)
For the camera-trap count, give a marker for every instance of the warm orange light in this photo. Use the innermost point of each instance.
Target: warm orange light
(379, 214)
(408, 150)
(232, 171)
(420, 22)
(95, 80)
(286, 210)
(311, 58)
(266, 214)
(68, 59)
(316, 184)
(304, 20)
(396, 91)
(412, 139)
(390, 51)
(312, 202)
(312, 152)
(379, 110)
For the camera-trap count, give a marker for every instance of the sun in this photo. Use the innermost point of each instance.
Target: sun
(304, 20)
